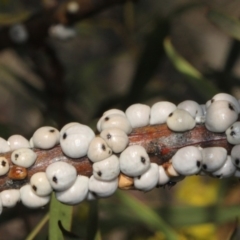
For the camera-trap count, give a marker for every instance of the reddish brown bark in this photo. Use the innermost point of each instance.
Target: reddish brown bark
(158, 140)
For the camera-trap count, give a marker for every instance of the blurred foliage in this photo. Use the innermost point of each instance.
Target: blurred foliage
(139, 52)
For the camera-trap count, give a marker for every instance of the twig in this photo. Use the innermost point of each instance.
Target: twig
(160, 143)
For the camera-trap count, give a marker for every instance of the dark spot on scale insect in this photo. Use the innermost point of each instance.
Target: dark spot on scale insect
(231, 127)
(103, 147)
(16, 156)
(109, 152)
(106, 118)
(93, 193)
(51, 130)
(212, 100)
(143, 160)
(232, 133)
(139, 177)
(3, 163)
(218, 176)
(54, 179)
(34, 188)
(170, 114)
(109, 136)
(99, 173)
(198, 164)
(230, 107)
(237, 161)
(204, 166)
(169, 184)
(64, 136)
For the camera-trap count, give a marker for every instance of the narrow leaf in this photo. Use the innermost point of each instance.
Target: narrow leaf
(146, 215)
(92, 227)
(38, 228)
(193, 76)
(226, 23)
(59, 212)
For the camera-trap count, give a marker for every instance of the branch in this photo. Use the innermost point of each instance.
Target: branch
(160, 143)
(37, 26)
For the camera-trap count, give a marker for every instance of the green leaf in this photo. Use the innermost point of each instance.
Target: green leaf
(38, 228)
(67, 234)
(226, 23)
(193, 76)
(146, 215)
(59, 212)
(179, 216)
(93, 232)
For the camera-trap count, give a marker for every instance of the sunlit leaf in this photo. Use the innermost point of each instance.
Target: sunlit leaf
(193, 76)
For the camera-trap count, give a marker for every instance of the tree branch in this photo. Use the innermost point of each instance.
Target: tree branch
(37, 26)
(160, 143)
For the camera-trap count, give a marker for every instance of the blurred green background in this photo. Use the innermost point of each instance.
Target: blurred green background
(146, 51)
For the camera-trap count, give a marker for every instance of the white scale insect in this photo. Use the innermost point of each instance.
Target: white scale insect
(77, 140)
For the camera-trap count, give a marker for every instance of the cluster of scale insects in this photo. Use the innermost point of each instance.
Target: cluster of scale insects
(115, 163)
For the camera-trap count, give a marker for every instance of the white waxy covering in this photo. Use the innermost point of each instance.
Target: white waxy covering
(138, 115)
(116, 121)
(220, 116)
(4, 166)
(187, 160)
(227, 170)
(147, 180)
(75, 140)
(18, 33)
(46, 137)
(76, 193)
(180, 121)
(192, 107)
(30, 199)
(134, 161)
(4, 146)
(18, 141)
(235, 155)
(31, 143)
(233, 133)
(10, 197)
(40, 184)
(23, 157)
(91, 196)
(61, 175)
(202, 118)
(226, 97)
(115, 138)
(163, 178)
(160, 112)
(102, 188)
(213, 158)
(237, 174)
(108, 113)
(68, 125)
(113, 111)
(98, 150)
(107, 169)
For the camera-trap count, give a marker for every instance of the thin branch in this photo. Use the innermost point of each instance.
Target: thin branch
(37, 26)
